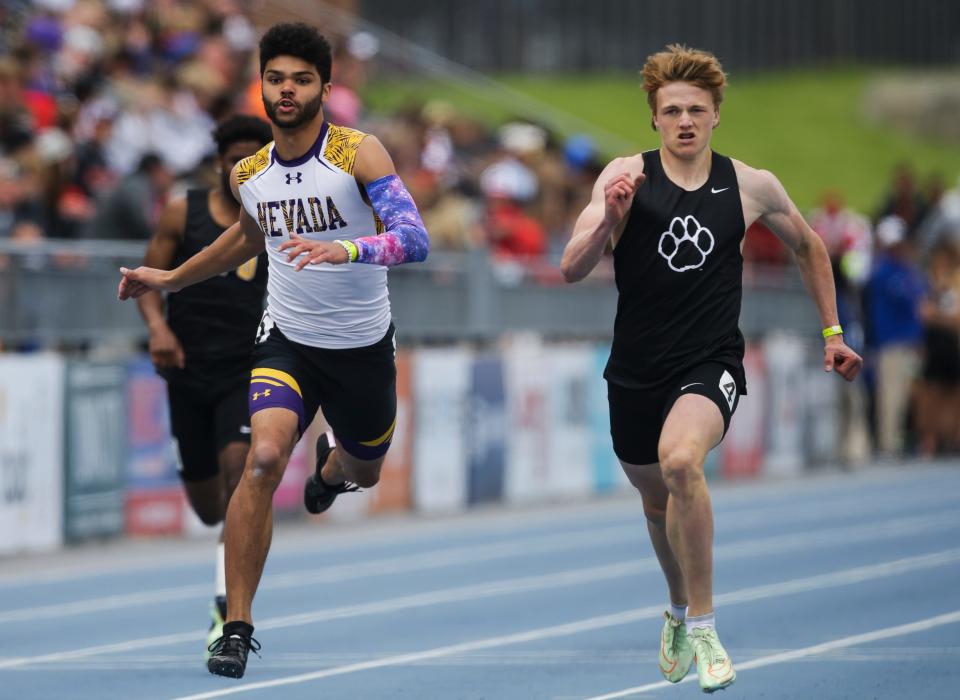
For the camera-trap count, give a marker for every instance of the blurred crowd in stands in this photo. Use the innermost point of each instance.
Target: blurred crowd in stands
(106, 110)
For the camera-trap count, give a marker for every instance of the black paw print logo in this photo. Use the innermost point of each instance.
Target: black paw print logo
(686, 245)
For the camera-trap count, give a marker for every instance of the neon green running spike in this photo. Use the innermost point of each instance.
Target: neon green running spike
(676, 654)
(216, 629)
(713, 664)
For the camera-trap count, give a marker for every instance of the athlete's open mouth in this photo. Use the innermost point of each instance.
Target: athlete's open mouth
(686, 136)
(286, 105)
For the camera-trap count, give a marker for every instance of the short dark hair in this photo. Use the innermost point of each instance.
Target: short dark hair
(299, 40)
(241, 127)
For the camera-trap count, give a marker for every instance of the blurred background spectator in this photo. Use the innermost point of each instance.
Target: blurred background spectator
(895, 331)
(938, 396)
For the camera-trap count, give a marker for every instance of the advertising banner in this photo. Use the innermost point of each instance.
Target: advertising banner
(742, 448)
(31, 452)
(154, 502)
(392, 494)
(487, 430)
(569, 460)
(441, 380)
(527, 395)
(607, 473)
(822, 434)
(784, 357)
(96, 430)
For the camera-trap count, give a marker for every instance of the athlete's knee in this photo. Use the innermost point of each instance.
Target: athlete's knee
(682, 467)
(232, 460)
(649, 482)
(266, 464)
(655, 513)
(212, 515)
(654, 495)
(365, 474)
(206, 499)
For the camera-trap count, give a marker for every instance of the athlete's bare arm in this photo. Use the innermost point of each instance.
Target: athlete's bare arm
(604, 218)
(405, 239)
(235, 246)
(165, 348)
(764, 198)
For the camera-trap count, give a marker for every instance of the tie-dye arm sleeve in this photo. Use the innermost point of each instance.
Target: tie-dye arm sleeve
(405, 239)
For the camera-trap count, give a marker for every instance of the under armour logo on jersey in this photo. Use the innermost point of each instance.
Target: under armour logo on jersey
(294, 176)
(729, 388)
(265, 394)
(686, 245)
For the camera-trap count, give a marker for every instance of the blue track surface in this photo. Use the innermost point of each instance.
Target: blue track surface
(844, 586)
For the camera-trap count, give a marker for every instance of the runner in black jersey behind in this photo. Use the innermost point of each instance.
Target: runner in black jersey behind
(676, 219)
(203, 345)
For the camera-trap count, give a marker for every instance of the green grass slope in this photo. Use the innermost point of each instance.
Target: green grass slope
(808, 127)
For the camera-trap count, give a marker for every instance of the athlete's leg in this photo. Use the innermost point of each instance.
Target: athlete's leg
(675, 652)
(193, 425)
(206, 499)
(209, 497)
(342, 466)
(232, 459)
(693, 426)
(232, 427)
(249, 526)
(362, 415)
(648, 480)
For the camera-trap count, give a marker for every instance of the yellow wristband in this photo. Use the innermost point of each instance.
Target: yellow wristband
(832, 330)
(352, 251)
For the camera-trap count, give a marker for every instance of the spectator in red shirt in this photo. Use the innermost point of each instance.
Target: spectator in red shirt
(507, 185)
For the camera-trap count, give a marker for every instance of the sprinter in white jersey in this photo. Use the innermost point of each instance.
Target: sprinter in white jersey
(320, 199)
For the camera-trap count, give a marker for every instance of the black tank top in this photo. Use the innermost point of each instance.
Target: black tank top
(679, 273)
(215, 320)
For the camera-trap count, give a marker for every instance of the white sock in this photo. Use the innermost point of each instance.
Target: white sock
(679, 612)
(221, 571)
(706, 622)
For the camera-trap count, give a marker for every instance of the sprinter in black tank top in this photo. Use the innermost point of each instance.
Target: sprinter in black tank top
(676, 218)
(203, 345)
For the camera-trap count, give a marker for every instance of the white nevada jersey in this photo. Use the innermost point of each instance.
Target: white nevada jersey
(316, 195)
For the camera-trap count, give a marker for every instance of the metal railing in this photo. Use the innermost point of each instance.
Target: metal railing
(65, 292)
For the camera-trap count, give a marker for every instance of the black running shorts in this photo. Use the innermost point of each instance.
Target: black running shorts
(356, 388)
(637, 415)
(204, 419)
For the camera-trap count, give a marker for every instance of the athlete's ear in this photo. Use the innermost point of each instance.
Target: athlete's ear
(653, 122)
(716, 117)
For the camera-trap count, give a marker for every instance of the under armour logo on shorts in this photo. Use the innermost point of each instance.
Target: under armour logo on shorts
(294, 176)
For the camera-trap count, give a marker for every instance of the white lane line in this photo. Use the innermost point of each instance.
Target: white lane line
(339, 572)
(838, 578)
(731, 504)
(733, 551)
(795, 654)
(305, 540)
(429, 560)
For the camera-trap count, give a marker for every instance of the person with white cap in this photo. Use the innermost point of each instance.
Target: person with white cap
(894, 293)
